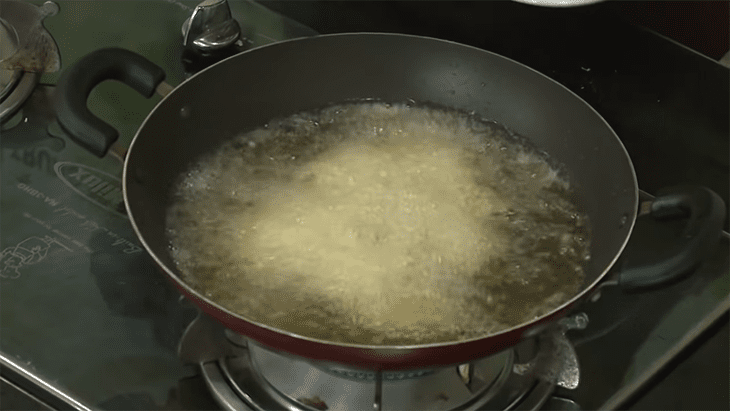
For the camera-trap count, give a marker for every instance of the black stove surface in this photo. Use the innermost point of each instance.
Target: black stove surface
(86, 320)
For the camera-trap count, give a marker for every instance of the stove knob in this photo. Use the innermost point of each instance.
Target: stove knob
(211, 28)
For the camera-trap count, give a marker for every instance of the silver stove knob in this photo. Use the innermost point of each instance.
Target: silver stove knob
(211, 27)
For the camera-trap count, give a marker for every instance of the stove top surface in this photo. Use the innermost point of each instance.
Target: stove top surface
(87, 321)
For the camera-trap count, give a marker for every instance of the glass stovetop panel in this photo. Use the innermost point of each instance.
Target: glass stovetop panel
(81, 301)
(82, 305)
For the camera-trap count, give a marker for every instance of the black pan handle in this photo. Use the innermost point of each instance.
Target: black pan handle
(76, 84)
(704, 211)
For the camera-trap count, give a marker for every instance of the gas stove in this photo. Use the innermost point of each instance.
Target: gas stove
(87, 321)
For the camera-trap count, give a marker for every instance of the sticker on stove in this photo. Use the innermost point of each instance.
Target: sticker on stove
(83, 227)
(98, 187)
(38, 194)
(30, 251)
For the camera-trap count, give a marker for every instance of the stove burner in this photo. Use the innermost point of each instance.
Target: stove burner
(301, 383)
(26, 51)
(8, 47)
(241, 374)
(35, 50)
(371, 376)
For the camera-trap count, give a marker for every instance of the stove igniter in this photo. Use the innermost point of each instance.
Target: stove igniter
(211, 28)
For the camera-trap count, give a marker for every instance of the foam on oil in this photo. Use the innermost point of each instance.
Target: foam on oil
(380, 224)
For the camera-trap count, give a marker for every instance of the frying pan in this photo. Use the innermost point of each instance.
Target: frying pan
(247, 90)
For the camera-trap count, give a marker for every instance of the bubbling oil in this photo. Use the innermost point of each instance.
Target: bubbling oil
(380, 224)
